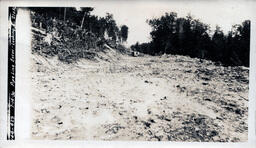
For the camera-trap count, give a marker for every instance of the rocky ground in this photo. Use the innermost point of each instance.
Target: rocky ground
(120, 97)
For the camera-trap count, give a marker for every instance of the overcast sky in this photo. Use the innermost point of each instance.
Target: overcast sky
(135, 13)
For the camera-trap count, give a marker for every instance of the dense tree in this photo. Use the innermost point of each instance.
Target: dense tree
(218, 42)
(75, 31)
(189, 36)
(72, 17)
(163, 32)
(124, 33)
(238, 44)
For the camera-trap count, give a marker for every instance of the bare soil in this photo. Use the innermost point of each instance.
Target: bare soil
(149, 98)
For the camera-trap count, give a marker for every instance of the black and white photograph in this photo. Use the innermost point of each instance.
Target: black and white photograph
(138, 71)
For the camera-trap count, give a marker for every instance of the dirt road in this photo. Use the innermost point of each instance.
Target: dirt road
(173, 98)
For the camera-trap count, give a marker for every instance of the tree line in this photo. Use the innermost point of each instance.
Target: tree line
(191, 37)
(71, 17)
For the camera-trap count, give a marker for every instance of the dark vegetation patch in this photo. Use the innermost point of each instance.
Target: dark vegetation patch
(185, 127)
(195, 127)
(191, 37)
(73, 34)
(227, 74)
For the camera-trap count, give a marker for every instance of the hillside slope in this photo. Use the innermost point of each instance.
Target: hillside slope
(174, 98)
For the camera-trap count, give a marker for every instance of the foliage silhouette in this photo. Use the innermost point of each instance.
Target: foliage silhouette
(188, 36)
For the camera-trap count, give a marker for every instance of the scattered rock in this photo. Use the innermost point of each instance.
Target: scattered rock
(207, 99)
(60, 106)
(147, 124)
(181, 89)
(151, 120)
(37, 121)
(146, 81)
(149, 111)
(164, 98)
(114, 129)
(135, 117)
(44, 110)
(204, 83)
